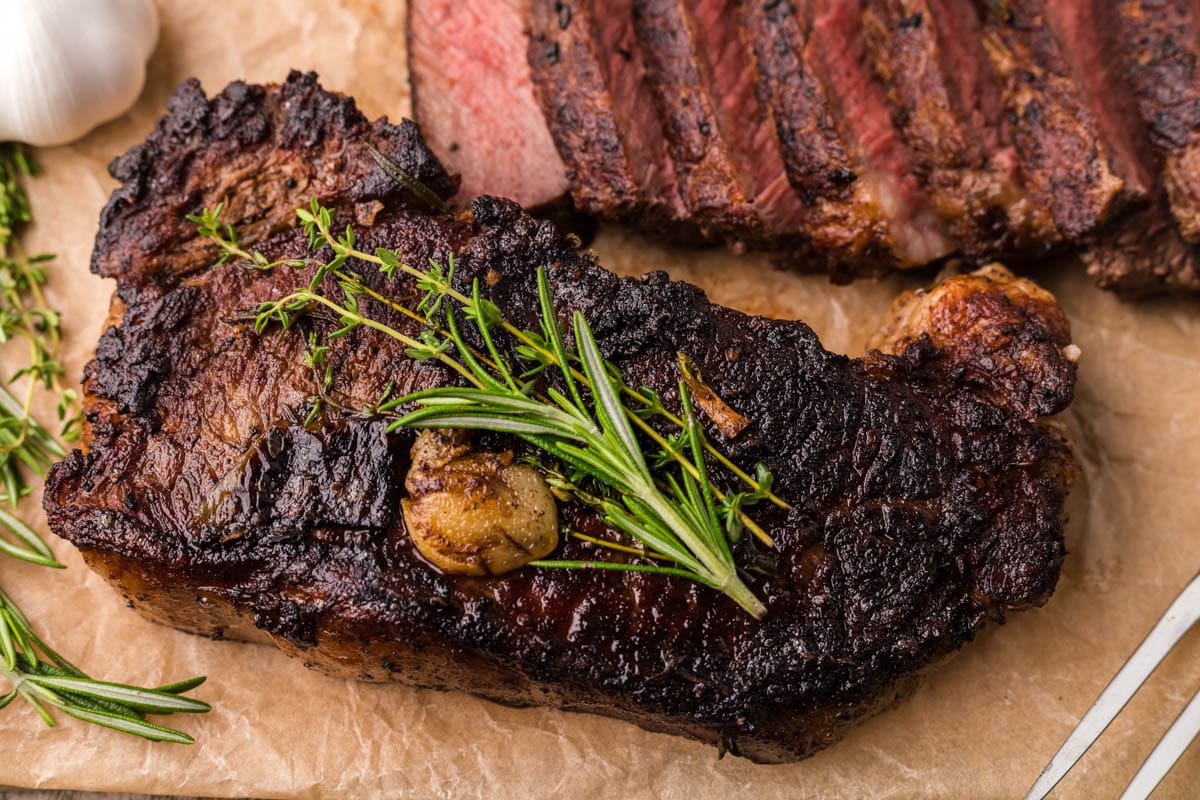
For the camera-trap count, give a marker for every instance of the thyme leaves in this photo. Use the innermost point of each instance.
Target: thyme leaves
(588, 422)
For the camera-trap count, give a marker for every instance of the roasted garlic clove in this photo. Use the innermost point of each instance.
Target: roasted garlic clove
(476, 513)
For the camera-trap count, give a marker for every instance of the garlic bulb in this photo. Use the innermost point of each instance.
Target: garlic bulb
(66, 66)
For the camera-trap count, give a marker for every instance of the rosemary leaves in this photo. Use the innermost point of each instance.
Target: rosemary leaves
(589, 426)
(33, 670)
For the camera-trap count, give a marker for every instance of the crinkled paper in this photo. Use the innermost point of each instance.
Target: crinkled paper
(980, 726)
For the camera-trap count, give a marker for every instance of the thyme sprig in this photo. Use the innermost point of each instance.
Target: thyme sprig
(678, 516)
(25, 316)
(436, 282)
(34, 671)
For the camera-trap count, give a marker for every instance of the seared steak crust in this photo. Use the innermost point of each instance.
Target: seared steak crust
(1066, 166)
(617, 162)
(972, 178)
(1141, 249)
(716, 192)
(926, 497)
(843, 219)
(1160, 40)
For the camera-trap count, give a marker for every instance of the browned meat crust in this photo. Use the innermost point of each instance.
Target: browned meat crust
(927, 499)
(1160, 40)
(1141, 249)
(590, 80)
(956, 151)
(1143, 253)
(1066, 166)
(715, 191)
(843, 220)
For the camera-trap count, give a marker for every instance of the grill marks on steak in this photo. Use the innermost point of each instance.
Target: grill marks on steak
(473, 98)
(946, 106)
(590, 79)
(1066, 165)
(1159, 43)
(927, 499)
(839, 52)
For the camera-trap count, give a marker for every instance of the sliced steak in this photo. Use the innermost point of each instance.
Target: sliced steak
(1143, 253)
(1160, 45)
(843, 218)
(590, 79)
(838, 50)
(473, 97)
(1141, 250)
(718, 186)
(741, 117)
(927, 497)
(947, 107)
(1065, 164)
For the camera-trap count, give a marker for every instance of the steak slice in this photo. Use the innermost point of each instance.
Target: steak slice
(731, 175)
(1160, 43)
(947, 107)
(473, 96)
(926, 496)
(590, 79)
(1143, 253)
(741, 117)
(838, 50)
(715, 193)
(1066, 166)
(843, 218)
(1141, 250)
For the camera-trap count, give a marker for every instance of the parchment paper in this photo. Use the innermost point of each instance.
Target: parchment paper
(981, 726)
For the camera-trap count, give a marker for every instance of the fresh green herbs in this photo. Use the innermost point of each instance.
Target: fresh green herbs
(25, 317)
(587, 428)
(45, 679)
(34, 671)
(586, 420)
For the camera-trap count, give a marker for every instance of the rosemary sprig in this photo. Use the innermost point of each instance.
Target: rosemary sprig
(679, 516)
(593, 436)
(436, 282)
(33, 670)
(44, 678)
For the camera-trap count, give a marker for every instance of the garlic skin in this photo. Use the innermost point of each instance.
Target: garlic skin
(67, 66)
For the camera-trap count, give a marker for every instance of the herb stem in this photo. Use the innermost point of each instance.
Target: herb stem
(516, 332)
(34, 671)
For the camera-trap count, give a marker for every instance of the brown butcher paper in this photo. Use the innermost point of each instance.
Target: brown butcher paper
(980, 726)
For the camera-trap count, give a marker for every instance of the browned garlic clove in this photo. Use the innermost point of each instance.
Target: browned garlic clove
(476, 513)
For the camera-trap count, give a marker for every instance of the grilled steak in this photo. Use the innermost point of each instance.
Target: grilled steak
(843, 217)
(947, 107)
(470, 78)
(717, 189)
(909, 130)
(590, 80)
(1066, 166)
(1160, 44)
(926, 496)
(858, 102)
(1141, 249)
